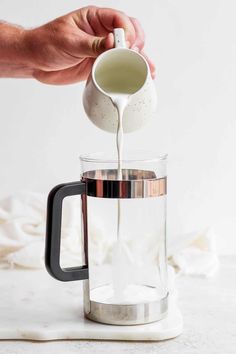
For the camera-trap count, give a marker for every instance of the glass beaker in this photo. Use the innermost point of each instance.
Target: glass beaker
(126, 283)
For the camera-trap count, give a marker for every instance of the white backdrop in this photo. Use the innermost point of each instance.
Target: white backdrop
(43, 128)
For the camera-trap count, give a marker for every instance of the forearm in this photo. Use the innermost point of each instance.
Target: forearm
(14, 54)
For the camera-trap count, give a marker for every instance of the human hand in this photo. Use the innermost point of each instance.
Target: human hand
(63, 50)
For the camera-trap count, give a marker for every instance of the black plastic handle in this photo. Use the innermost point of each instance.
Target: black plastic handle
(53, 233)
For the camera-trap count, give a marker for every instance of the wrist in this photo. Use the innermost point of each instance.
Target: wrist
(38, 44)
(14, 55)
(29, 45)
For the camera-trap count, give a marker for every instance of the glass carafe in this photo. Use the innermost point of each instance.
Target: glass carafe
(127, 283)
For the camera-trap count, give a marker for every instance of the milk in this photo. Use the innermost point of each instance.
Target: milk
(122, 258)
(133, 294)
(120, 101)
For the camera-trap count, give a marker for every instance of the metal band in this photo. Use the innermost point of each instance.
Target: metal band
(134, 184)
(124, 314)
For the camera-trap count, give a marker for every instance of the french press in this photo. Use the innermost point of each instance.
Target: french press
(128, 284)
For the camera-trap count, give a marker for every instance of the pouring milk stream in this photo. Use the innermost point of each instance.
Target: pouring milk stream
(120, 97)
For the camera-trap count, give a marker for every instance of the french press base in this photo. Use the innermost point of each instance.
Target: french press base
(124, 314)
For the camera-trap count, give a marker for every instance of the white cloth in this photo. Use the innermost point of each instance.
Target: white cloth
(194, 253)
(22, 234)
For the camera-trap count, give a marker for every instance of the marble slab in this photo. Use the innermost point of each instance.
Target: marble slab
(33, 306)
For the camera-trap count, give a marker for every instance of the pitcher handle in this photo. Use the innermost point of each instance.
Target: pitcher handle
(119, 37)
(53, 233)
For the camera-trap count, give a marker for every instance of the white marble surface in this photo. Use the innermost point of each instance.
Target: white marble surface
(35, 306)
(209, 308)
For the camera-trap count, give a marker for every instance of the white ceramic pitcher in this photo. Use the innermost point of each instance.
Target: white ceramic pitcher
(120, 71)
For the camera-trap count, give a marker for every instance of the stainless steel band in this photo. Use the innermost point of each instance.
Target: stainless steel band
(132, 314)
(134, 184)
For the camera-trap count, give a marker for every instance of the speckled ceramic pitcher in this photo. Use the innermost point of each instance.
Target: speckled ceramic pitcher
(123, 71)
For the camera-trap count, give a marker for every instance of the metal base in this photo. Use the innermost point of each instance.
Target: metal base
(127, 314)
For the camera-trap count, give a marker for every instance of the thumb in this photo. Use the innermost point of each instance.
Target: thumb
(92, 46)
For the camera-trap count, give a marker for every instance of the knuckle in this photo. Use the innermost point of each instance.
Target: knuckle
(96, 46)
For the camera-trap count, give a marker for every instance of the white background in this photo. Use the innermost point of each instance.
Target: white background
(43, 129)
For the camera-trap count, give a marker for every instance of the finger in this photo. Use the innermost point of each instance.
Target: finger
(150, 63)
(110, 41)
(111, 19)
(89, 46)
(98, 45)
(67, 76)
(95, 23)
(140, 35)
(100, 22)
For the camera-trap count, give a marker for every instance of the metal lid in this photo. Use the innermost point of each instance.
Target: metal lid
(134, 184)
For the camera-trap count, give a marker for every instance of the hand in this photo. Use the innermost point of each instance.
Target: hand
(63, 51)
